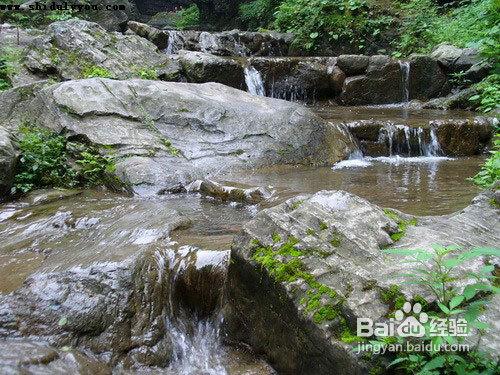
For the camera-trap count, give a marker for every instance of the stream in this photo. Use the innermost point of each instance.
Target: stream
(60, 231)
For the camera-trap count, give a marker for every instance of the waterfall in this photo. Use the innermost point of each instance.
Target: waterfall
(175, 42)
(394, 135)
(196, 281)
(405, 74)
(253, 79)
(433, 148)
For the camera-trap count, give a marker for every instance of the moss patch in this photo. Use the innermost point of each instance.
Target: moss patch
(393, 297)
(402, 224)
(284, 264)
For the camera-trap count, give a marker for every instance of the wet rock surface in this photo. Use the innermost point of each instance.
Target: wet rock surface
(169, 134)
(451, 137)
(332, 244)
(8, 159)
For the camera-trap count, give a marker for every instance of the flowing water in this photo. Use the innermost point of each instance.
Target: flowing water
(253, 79)
(405, 74)
(190, 235)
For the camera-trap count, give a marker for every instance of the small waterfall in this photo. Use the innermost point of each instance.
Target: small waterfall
(196, 292)
(175, 42)
(405, 76)
(253, 79)
(403, 140)
(433, 148)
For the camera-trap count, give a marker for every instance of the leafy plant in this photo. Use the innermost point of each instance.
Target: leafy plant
(438, 271)
(188, 18)
(93, 71)
(490, 171)
(488, 97)
(10, 58)
(258, 13)
(147, 74)
(49, 160)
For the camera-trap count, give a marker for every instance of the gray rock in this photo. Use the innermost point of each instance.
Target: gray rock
(22, 356)
(382, 83)
(299, 78)
(167, 135)
(338, 239)
(158, 37)
(76, 49)
(353, 65)
(457, 100)
(426, 78)
(229, 193)
(455, 59)
(199, 67)
(7, 162)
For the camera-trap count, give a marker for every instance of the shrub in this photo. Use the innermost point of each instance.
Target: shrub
(49, 160)
(490, 171)
(258, 13)
(352, 22)
(488, 97)
(188, 18)
(10, 58)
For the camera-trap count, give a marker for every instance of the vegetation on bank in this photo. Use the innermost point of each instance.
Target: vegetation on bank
(48, 159)
(489, 175)
(438, 272)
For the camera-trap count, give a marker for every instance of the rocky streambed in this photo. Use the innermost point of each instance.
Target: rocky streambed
(168, 275)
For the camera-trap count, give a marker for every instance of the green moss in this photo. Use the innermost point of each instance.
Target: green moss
(402, 224)
(323, 225)
(170, 148)
(336, 240)
(296, 204)
(393, 297)
(146, 73)
(93, 71)
(419, 299)
(276, 237)
(493, 203)
(349, 338)
(310, 232)
(284, 264)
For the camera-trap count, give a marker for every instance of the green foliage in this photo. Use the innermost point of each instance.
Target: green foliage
(46, 161)
(439, 272)
(10, 58)
(331, 21)
(33, 18)
(151, 74)
(258, 13)
(188, 18)
(488, 97)
(93, 71)
(490, 171)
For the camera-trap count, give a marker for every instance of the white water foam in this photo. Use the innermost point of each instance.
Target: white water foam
(253, 79)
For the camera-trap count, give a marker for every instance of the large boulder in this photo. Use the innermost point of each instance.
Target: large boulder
(299, 78)
(167, 134)
(199, 67)
(317, 261)
(77, 49)
(382, 83)
(426, 78)
(353, 65)
(465, 61)
(7, 162)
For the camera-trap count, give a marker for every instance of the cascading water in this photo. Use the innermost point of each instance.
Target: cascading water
(408, 141)
(253, 79)
(433, 148)
(405, 76)
(196, 286)
(174, 43)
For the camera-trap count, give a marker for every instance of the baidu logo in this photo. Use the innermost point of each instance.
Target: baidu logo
(407, 322)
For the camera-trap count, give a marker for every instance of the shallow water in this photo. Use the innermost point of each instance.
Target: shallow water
(397, 113)
(420, 186)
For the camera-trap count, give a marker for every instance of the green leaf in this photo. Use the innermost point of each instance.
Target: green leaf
(443, 308)
(456, 301)
(62, 322)
(436, 362)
